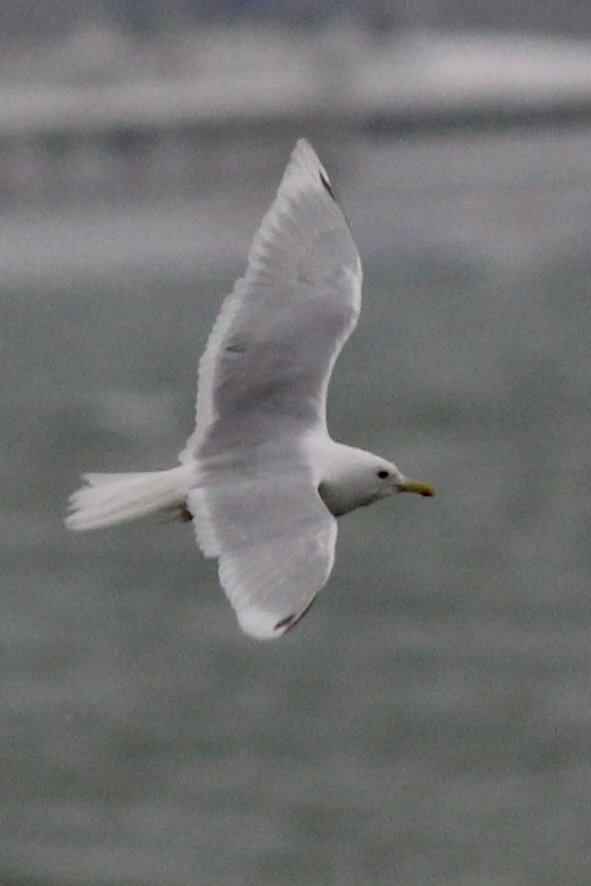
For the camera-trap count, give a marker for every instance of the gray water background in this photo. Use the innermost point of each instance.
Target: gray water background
(430, 721)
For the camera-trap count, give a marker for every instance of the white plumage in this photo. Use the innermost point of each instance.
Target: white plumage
(260, 474)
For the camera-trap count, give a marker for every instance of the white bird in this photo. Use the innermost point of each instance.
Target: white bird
(260, 476)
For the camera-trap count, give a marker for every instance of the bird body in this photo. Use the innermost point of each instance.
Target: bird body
(261, 476)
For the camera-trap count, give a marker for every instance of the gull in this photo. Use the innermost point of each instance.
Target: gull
(260, 478)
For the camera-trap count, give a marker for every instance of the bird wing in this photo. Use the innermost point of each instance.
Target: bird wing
(279, 333)
(273, 535)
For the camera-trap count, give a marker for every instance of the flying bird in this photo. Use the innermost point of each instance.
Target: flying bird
(260, 477)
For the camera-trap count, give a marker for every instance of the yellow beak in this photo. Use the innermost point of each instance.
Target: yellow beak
(413, 486)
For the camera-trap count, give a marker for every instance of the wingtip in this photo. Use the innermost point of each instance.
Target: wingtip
(258, 624)
(304, 157)
(263, 625)
(303, 146)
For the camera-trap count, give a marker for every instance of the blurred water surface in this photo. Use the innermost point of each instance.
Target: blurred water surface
(429, 721)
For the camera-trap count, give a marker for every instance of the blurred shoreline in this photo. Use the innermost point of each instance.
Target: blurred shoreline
(266, 75)
(100, 113)
(201, 227)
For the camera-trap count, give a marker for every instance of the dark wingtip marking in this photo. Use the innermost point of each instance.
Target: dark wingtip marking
(286, 624)
(327, 185)
(235, 347)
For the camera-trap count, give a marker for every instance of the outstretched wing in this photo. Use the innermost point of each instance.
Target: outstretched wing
(279, 333)
(274, 537)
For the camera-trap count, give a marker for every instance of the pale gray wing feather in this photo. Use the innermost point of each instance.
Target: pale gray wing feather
(279, 333)
(274, 538)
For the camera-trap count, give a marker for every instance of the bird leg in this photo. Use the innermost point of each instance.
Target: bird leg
(181, 514)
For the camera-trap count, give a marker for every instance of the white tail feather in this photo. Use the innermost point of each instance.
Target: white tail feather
(115, 498)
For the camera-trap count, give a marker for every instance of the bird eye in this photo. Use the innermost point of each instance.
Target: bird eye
(383, 474)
